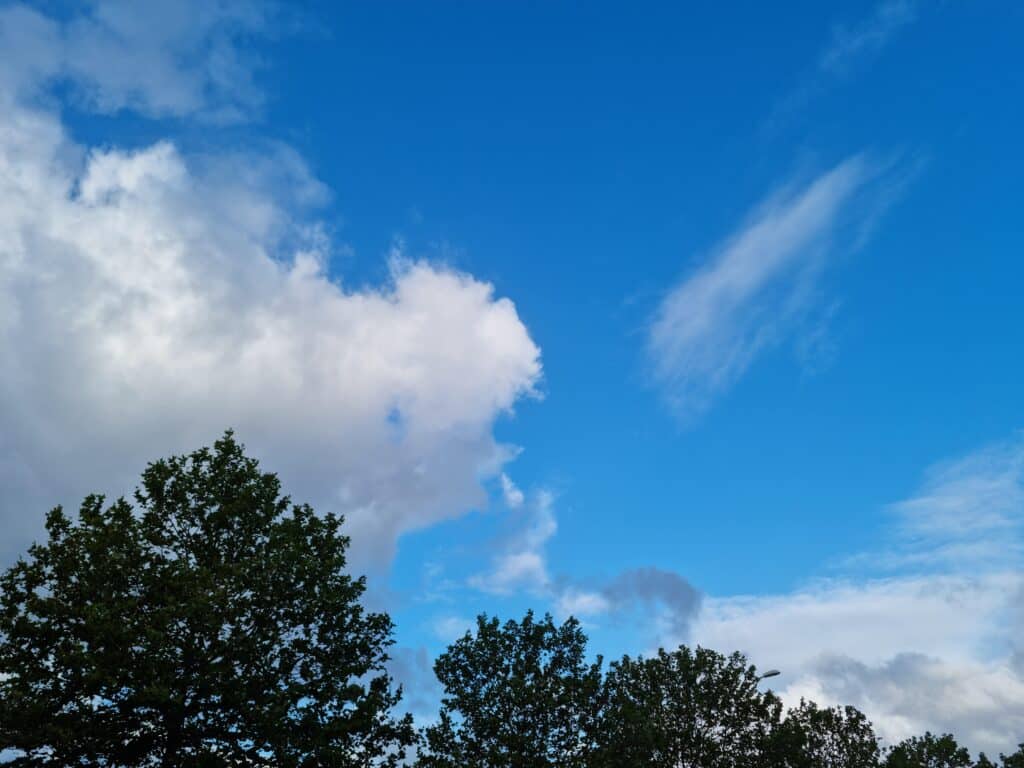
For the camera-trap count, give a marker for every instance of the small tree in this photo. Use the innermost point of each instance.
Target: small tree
(520, 694)
(213, 623)
(829, 737)
(685, 708)
(928, 751)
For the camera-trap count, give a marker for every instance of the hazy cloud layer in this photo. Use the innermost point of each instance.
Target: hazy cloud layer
(755, 288)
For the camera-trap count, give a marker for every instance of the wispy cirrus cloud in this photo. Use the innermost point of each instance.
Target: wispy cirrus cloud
(980, 494)
(754, 289)
(967, 515)
(851, 46)
(851, 43)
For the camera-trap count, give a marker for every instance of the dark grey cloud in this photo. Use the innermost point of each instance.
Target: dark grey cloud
(659, 596)
(649, 588)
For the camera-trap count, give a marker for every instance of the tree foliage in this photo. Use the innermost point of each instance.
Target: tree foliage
(210, 623)
(685, 708)
(1016, 760)
(520, 694)
(824, 737)
(929, 751)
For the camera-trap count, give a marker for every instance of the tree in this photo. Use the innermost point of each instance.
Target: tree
(832, 737)
(684, 709)
(213, 623)
(928, 751)
(520, 694)
(1016, 760)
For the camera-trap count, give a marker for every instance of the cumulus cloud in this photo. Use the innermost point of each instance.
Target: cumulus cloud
(160, 59)
(149, 300)
(757, 286)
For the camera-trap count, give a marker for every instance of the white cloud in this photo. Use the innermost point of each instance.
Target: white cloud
(850, 43)
(914, 654)
(979, 702)
(161, 59)
(939, 649)
(511, 493)
(582, 603)
(945, 616)
(522, 564)
(756, 286)
(148, 301)
(450, 628)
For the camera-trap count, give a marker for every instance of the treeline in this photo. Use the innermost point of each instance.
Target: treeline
(212, 622)
(523, 693)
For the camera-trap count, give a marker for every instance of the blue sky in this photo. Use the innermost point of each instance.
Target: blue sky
(703, 324)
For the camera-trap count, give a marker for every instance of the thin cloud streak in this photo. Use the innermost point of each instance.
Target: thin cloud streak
(852, 43)
(851, 47)
(968, 515)
(754, 290)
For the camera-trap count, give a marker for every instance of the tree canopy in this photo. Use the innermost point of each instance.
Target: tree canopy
(516, 694)
(212, 622)
(685, 707)
(929, 751)
(824, 737)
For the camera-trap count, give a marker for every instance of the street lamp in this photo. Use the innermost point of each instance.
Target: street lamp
(769, 673)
